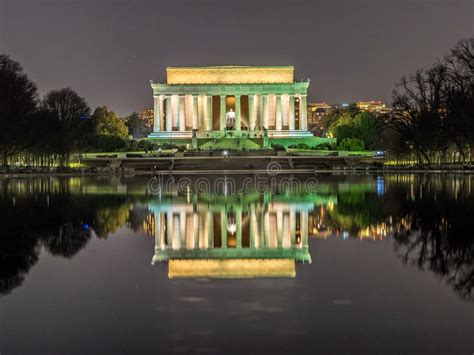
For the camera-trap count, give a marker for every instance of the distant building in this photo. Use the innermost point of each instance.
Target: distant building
(318, 109)
(316, 113)
(376, 107)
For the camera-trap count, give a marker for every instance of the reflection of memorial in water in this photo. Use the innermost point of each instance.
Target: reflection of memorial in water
(231, 236)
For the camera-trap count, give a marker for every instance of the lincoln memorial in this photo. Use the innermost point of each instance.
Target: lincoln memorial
(230, 102)
(207, 236)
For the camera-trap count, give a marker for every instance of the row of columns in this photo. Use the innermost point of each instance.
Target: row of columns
(171, 111)
(196, 230)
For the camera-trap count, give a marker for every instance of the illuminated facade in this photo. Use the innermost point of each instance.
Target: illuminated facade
(197, 101)
(267, 236)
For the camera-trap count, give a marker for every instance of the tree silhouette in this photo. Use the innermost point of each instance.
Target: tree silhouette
(19, 251)
(433, 109)
(66, 115)
(440, 236)
(137, 126)
(18, 104)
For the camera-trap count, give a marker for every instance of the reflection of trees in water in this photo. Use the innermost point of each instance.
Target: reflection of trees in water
(356, 211)
(451, 260)
(68, 240)
(432, 228)
(31, 224)
(18, 253)
(359, 207)
(56, 214)
(441, 237)
(63, 224)
(110, 216)
(139, 213)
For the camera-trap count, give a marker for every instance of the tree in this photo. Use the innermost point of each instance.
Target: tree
(66, 117)
(352, 144)
(459, 93)
(107, 123)
(366, 129)
(417, 109)
(353, 124)
(18, 105)
(137, 126)
(332, 117)
(433, 109)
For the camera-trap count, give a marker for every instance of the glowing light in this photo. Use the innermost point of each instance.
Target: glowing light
(232, 228)
(229, 75)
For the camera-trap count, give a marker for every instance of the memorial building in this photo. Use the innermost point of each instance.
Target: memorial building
(211, 235)
(259, 104)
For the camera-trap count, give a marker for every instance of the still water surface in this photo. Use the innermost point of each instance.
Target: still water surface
(384, 264)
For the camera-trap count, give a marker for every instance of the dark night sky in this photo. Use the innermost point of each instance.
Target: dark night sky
(109, 50)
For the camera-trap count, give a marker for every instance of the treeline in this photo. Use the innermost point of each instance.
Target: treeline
(48, 131)
(354, 129)
(432, 117)
(61, 223)
(431, 120)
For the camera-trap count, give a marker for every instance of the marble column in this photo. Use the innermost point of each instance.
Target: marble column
(261, 230)
(238, 222)
(182, 228)
(209, 112)
(286, 239)
(223, 229)
(304, 228)
(176, 243)
(210, 228)
(272, 110)
(266, 229)
(291, 118)
(157, 112)
(222, 113)
(265, 111)
(159, 237)
(175, 109)
(188, 111)
(201, 118)
(258, 110)
(238, 118)
(204, 112)
(169, 117)
(292, 227)
(169, 228)
(203, 230)
(253, 228)
(182, 114)
(279, 220)
(252, 112)
(278, 113)
(196, 122)
(285, 110)
(195, 232)
(303, 113)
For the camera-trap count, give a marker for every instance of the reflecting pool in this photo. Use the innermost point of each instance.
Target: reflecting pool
(327, 264)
